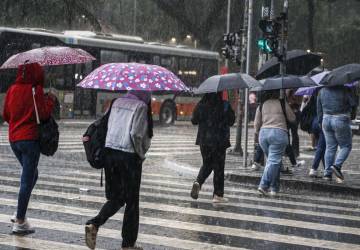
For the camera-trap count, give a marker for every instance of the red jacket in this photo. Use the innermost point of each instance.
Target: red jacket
(19, 110)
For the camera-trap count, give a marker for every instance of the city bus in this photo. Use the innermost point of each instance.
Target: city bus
(192, 66)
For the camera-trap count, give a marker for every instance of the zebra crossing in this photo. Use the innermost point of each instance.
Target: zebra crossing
(67, 194)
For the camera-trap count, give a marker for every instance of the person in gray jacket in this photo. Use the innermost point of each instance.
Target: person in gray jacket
(128, 139)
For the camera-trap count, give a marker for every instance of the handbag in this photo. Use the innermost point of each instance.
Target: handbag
(48, 132)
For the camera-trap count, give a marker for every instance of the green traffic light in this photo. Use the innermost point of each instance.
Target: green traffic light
(263, 44)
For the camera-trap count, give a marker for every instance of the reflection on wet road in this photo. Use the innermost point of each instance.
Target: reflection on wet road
(68, 193)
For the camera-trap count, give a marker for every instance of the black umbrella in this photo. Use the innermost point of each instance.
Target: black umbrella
(219, 83)
(343, 75)
(285, 82)
(298, 62)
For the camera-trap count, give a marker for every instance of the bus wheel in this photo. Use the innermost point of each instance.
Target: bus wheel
(167, 114)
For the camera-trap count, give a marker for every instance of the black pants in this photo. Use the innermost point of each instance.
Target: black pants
(294, 134)
(123, 177)
(213, 160)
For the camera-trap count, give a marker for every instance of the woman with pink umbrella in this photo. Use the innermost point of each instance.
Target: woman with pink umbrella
(128, 137)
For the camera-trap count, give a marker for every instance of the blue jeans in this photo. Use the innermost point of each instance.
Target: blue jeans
(337, 132)
(320, 146)
(28, 154)
(273, 141)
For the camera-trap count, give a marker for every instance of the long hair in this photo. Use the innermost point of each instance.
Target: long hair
(150, 121)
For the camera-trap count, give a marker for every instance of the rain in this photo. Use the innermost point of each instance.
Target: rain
(156, 124)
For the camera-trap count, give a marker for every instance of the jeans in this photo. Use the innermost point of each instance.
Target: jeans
(321, 145)
(213, 160)
(122, 186)
(28, 154)
(273, 141)
(337, 132)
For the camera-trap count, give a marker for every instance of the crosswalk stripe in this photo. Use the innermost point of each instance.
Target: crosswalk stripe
(110, 233)
(197, 211)
(186, 198)
(186, 192)
(195, 227)
(26, 242)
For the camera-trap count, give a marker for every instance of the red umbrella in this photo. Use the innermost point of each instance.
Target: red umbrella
(49, 56)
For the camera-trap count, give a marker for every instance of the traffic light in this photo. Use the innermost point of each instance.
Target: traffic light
(269, 42)
(232, 42)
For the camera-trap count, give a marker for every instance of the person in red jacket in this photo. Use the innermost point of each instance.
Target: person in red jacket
(19, 113)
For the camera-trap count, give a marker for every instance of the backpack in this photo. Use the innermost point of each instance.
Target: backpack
(48, 132)
(308, 114)
(94, 147)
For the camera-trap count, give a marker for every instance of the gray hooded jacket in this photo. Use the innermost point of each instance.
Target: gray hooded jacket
(127, 127)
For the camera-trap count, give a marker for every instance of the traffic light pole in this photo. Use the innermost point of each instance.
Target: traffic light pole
(248, 63)
(283, 41)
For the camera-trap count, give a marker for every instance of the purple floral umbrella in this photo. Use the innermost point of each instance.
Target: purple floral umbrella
(44, 56)
(132, 76)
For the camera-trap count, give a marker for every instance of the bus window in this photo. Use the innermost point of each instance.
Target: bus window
(209, 68)
(140, 57)
(110, 56)
(156, 60)
(169, 62)
(189, 71)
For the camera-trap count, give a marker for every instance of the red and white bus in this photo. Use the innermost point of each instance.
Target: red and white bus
(191, 65)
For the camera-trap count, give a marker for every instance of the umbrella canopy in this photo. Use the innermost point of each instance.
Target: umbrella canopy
(132, 76)
(285, 82)
(343, 75)
(49, 56)
(310, 90)
(298, 62)
(219, 83)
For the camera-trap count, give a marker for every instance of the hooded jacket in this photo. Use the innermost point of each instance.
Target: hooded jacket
(214, 117)
(128, 126)
(19, 110)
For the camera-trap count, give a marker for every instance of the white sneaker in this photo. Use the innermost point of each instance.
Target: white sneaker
(338, 180)
(136, 247)
(23, 228)
(262, 191)
(299, 164)
(273, 193)
(219, 199)
(90, 235)
(313, 173)
(255, 167)
(13, 218)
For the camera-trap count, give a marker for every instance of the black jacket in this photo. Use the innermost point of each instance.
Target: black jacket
(214, 120)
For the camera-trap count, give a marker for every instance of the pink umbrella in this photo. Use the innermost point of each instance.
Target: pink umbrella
(132, 76)
(49, 56)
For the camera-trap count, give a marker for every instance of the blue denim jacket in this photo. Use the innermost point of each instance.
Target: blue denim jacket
(334, 101)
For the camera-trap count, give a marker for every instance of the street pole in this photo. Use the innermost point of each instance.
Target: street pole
(228, 28)
(283, 42)
(239, 121)
(134, 21)
(248, 63)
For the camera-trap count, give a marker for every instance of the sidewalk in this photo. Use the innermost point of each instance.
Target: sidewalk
(300, 181)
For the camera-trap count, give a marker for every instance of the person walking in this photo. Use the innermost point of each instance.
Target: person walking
(130, 129)
(214, 117)
(334, 108)
(19, 113)
(317, 132)
(271, 120)
(295, 104)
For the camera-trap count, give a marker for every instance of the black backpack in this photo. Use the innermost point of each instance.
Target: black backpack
(48, 132)
(48, 136)
(308, 114)
(94, 147)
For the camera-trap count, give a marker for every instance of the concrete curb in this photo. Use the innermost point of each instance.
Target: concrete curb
(300, 185)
